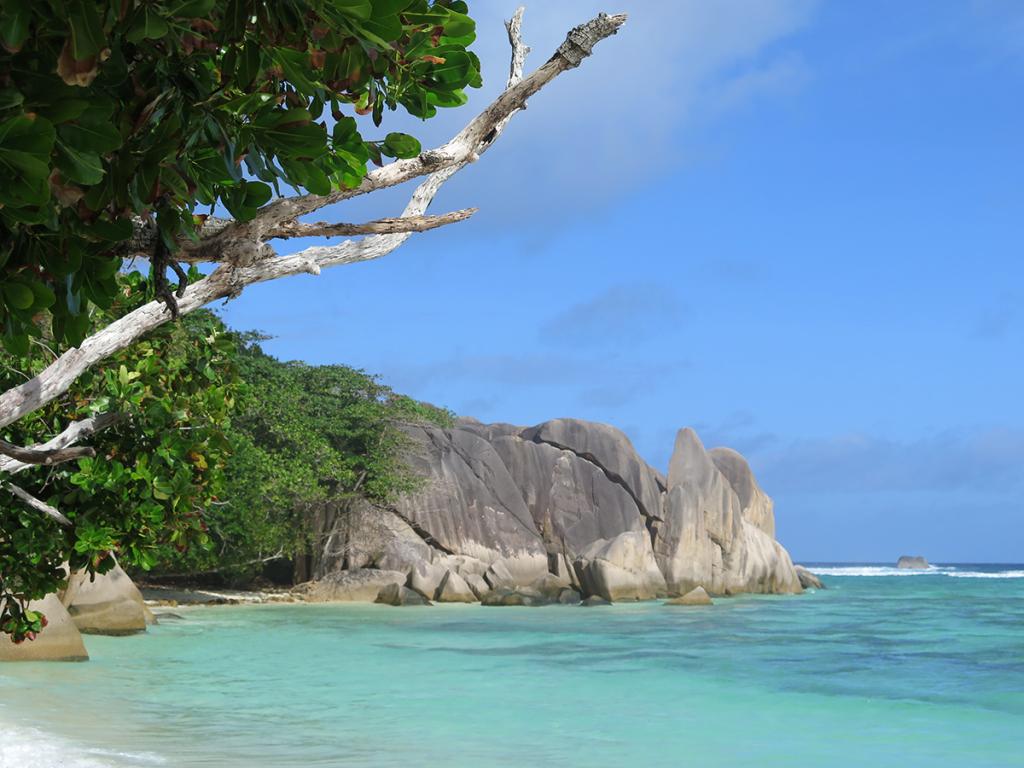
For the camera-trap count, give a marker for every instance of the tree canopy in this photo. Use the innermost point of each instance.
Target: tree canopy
(117, 109)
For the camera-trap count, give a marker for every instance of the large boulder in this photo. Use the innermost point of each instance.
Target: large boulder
(571, 499)
(912, 563)
(756, 506)
(705, 540)
(397, 595)
(106, 604)
(426, 577)
(361, 585)
(609, 449)
(621, 569)
(59, 640)
(468, 503)
(454, 589)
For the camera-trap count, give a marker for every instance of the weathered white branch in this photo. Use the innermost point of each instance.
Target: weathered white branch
(247, 260)
(143, 243)
(36, 504)
(77, 430)
(390, 226)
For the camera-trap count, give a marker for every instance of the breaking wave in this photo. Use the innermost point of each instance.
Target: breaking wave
(24, 746)
(956, 572)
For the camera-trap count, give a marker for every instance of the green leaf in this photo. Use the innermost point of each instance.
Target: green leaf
(389, 7)
(87, 38)
(357, 9)
(401, 145)
(147, 25)
(459, 25)
(43, 295)
(19, 295)
(91, 135)
(10, 97)
(192, 9)
(14, 20)
(77, 166)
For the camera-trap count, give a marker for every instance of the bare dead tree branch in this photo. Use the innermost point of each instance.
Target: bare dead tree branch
(57, 449)
(36, 504)
(46, 458)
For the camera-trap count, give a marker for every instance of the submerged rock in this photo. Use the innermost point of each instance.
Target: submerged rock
(568, 596)
(514, 597)
(913, 563)
(808, 580)
(396, 594)
(593, 600)
(696, 596)
(59, 640)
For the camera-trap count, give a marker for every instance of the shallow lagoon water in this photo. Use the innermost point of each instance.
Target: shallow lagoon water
(879, 670)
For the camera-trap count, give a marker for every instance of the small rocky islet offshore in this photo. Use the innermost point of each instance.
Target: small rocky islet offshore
(562, 512)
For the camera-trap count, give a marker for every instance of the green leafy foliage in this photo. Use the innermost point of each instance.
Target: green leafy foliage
(223, 456)
(303, 437)
(111, 109)
(156, 470)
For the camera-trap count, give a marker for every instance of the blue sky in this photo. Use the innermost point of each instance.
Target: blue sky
(795, 226)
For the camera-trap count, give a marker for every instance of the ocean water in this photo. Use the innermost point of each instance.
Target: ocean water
(882, 669)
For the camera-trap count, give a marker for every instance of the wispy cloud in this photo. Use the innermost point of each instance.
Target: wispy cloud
(626, 312)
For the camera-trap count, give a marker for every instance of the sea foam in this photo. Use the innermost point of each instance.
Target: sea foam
(24, 746)
(882, 570)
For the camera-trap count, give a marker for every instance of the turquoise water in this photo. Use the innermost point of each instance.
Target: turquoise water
(878, 670)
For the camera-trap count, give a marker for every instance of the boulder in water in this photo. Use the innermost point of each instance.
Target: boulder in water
(568, 596)
(524, 596)
(621, 569)
(426, 577)
(912, 563)
(59, 640)
(696, 596)
(454, 589)
(106, 603)
(396, 594)
(808, 580)
(593, 600)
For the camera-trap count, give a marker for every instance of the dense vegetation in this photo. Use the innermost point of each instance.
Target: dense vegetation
(302, 437)
(219, 463)
(162, 463)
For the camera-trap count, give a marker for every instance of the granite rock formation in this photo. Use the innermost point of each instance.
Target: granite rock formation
(514, 515)
(106, 604)
(59, 640)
